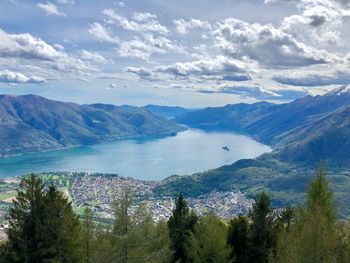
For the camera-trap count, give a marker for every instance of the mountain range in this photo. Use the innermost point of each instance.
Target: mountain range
(309, 129)
(31, 123)
(301, 133)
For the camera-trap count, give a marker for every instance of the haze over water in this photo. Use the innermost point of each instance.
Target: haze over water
(188, 152)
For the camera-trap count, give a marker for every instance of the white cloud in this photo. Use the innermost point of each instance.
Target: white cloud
(342, 2)
(26, 46)
(219, 68)
(143, 17)
(23, 50)
(50, 9)
(145, 46)
(246, 91)
(16, 77)
(184, 27)
(149, 35)
(348, 57)
(120, 4)
(319, 21)
(142, 73)
(65, 2)
(103, 34)
(93, 56)
(314, 78)
(268, 45)
(141, 22)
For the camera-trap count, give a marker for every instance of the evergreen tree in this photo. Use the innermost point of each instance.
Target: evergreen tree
(313, 236)
(263, 234)
(153, 244)
(343, 241)
(123, 227)
(135, 237)
(208, 243)
(239, 238)
(60, 228)
(42, 225)
(88, 229)
(286, 217)
(25, 218)
(181, 224)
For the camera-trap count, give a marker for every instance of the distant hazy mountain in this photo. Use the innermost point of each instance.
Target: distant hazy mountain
(32, 123)
(266, 121)
(167, 111)
(163, 111)
(233, 117)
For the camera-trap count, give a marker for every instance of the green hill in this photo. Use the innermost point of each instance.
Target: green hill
(32, 123)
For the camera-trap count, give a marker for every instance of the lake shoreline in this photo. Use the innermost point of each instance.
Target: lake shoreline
(151, 159)
(124, 138)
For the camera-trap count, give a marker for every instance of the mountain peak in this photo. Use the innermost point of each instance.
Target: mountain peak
(341, 90)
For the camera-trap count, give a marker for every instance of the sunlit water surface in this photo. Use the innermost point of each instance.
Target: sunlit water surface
(186, 153)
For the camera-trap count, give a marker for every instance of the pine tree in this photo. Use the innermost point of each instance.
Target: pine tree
(262, 229)
(239, 238)
(208, 243)
(60, 228)
(313, 236)
(181, 224)
(88, 229)
(25, 218)
(42, 225)
(153, 244)
(286, 217)
(135, 237)
(123, 224)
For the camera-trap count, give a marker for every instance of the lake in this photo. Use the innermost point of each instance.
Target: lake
(188, 152)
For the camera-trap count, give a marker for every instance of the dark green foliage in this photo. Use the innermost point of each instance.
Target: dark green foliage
(239, 238)
(134, 237)
(181, 224)
(42, 225)
(60, 228)
(208, 243)
(287, 216)
(25, 219)
(43, 228)
(314, 235)
(87, 232)
(263, 236)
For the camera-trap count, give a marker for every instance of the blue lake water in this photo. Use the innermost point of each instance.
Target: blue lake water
(188, 152)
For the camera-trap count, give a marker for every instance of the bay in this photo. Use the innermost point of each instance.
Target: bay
(186, 153)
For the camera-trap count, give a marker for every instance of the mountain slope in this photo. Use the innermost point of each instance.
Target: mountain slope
(166, 111)
(162, 111)
(303, 132)
(233, 117)
(264, 121)
(325, 139)
(32, 123)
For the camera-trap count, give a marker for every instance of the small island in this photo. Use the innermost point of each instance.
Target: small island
(226, 148)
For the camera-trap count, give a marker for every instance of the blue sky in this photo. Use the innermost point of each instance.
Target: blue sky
(189, 53)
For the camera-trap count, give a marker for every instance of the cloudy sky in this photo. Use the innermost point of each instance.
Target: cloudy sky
(187, 52)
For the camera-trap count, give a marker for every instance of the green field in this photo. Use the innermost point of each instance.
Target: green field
(7, 195)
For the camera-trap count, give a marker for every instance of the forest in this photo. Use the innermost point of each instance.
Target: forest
(44, 228)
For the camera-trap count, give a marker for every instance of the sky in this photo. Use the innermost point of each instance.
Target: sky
(191, 53)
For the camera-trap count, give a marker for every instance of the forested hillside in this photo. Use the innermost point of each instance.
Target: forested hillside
(43, 228)
(306, 130)
(32, 123)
